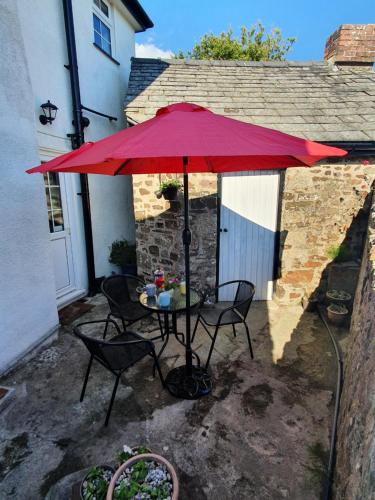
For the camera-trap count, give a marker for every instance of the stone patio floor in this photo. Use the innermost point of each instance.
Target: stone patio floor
(263, 433)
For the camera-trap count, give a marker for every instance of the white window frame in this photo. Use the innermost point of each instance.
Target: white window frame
(108, 22)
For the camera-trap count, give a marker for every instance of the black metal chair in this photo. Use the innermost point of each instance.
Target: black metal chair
(121, 292)
(217, 315)
(117, 354)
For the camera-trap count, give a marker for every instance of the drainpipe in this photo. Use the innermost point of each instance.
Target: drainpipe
(78, 139)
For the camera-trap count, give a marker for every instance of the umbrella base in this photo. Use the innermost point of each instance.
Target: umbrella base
(183, 386)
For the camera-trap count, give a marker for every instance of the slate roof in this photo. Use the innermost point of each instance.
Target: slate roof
(313, 100)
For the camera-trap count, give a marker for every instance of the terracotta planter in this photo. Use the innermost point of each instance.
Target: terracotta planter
(147, 457)
(337, 318)
(170, 193)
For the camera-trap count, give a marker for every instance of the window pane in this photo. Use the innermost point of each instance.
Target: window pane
(55, 198)
(48, 199)
(97, 39)
(104, 8)
(97, 3)
(96, 23)
(106, 47)
(58, 221)
(50, 222)
(106, 33)
(53, 179)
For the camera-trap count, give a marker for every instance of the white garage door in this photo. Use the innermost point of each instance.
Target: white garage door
(248, 222)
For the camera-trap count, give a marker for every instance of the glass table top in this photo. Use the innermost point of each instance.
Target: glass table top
(178, 301)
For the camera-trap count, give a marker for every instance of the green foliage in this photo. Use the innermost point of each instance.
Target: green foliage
(254, 44)
(339, 253)
(170, 183)
(121, 253)
(96, 484)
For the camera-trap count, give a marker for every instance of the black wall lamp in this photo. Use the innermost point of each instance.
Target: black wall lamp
(49, 112)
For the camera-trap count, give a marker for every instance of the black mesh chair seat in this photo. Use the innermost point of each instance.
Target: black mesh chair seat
(224, 314)
(210, 315)
(116, 354)
(133, 352)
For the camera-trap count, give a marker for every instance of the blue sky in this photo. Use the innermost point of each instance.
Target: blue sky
(181, 23)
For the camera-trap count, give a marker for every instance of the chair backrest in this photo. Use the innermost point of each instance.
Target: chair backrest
(120, 291)
(114, 355)
(244, 296)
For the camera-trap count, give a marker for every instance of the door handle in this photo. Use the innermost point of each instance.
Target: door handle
(225, 230)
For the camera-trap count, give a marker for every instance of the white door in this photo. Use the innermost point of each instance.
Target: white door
(60, 234)
(248, 222)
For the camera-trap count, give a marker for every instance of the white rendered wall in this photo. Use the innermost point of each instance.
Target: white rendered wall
(27, 293)
(103, 87)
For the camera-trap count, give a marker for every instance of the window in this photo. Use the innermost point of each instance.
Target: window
(102, 6)
(54, 206)
(102, 25)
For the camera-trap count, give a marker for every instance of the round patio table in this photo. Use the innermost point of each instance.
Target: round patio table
(177, 305)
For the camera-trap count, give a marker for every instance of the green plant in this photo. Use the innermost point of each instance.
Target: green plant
(122, 253)
(338, 308)
(170, 183)
(143, 479)
(253, 44)
(339, 253)
(96, 483)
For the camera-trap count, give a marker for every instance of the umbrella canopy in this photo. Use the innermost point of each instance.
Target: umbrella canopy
(186, 138)
(213, 143)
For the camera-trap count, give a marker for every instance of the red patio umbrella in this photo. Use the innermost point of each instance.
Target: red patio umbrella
(187, 138)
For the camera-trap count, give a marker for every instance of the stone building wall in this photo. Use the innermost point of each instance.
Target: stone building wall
(159, 225)
(355, 466)
(321, 207)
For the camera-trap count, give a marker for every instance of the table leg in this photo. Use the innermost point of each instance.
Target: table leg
(166, 335)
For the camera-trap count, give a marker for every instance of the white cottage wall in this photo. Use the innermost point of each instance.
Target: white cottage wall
(27, 294)
(103, 85)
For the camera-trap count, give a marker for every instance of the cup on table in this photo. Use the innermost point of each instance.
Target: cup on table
(150, 290)
(164, 299)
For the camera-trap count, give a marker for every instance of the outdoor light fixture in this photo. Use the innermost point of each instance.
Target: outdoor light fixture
(49, 112)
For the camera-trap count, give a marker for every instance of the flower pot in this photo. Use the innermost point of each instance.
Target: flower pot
(170, 193)
(146, 457)
(339, 297)
(103, 467)
(337, 317)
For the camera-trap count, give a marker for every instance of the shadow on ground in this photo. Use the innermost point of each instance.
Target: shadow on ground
(262, 433)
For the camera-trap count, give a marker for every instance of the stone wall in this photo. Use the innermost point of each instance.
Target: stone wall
(321, 207)
(159, 225)
(355, 467)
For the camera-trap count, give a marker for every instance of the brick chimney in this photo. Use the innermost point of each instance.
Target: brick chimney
(352, 45)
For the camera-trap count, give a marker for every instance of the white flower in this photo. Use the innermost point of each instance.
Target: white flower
(127, 449)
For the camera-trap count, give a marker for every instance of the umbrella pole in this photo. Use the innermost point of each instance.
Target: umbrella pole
(188, 381)
(186, 238)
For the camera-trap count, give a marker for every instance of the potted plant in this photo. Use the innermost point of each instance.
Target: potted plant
(144, 476)
(95, 483)
(170, 188)
(338, 297)
(123, 255)
(128, 452)
(171, 284)
(337, 314)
